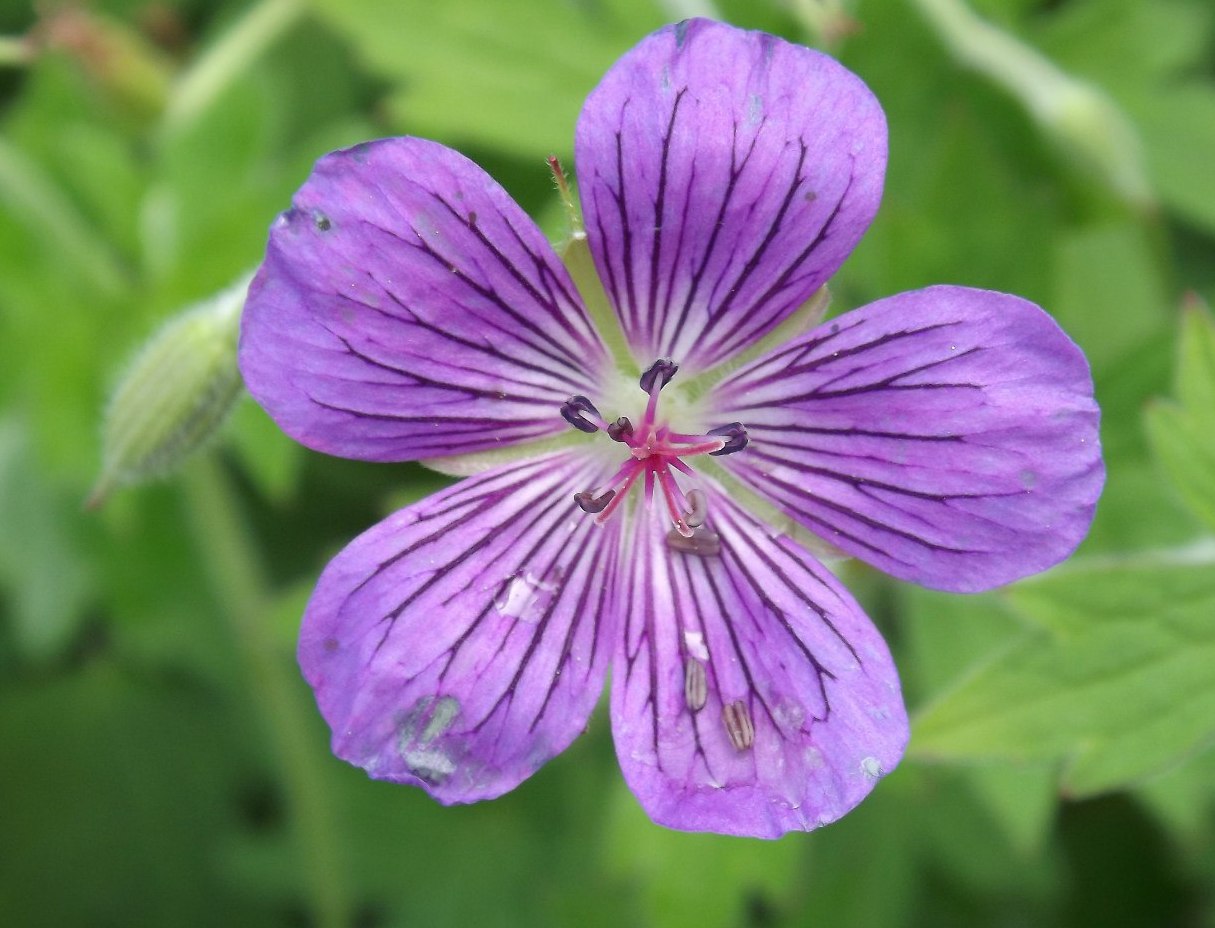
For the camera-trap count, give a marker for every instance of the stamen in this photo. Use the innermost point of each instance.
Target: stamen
(620, 484)
(674, 498)
(735, 435)
(701, 543)
(657, 456)
(575, 411)
(695, 684)
(620, 430)
(699, 504)
(658, 375)
(588, 502)
(740, 728)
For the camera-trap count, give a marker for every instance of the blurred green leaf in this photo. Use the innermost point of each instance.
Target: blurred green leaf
(124, 786)
(1020, 799)
(1183, 798)
(1108, 294)
(1145, 54)
(923, 849)
(510, 76)
(1126, 42)
(42, 566)
(944, 637)
(271, 459)
(1183, 433)
(968, 196)
(1177, 125)
(698, 880)
(1119, 684)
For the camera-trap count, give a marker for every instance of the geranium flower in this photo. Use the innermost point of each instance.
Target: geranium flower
(651, 452)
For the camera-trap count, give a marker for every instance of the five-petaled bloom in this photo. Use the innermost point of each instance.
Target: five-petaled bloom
(650, 451)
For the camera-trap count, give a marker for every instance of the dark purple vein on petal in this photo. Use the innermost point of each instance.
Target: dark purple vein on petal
(785, 581)
(523, 560)
(757, 589)
(763, 428)
(752, 263)
(736, 171)
(563, 295)
(686, 606)
(580, 614)
(719, 604)
(777, 363)
(831, 530)
(487, 348)
(477, 506)
(418, 379)
(856, 482)
(800, 368)
(538, 632)
(655, 317)
(735, 337)
(558, 353)
(626, 234)
(576, 379)
(562, 318)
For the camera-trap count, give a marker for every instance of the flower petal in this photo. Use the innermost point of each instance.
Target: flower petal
(750, 694)
(947, 436)
(725, 175)
(408, 308)
(463, 641)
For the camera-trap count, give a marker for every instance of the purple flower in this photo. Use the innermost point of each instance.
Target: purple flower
(653, 454)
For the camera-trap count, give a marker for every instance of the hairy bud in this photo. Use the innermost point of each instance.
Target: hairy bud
(175, 395)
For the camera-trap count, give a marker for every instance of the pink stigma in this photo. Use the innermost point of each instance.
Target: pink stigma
(656, 456)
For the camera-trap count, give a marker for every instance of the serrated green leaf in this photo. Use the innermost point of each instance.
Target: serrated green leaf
(1121, 684)
(1183, 434)
(1186, 451)
(1196, 365)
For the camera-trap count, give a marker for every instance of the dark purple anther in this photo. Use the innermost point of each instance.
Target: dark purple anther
(588, 503)
(660, 373)
(621, 429)
(572, 411)
(735, 435)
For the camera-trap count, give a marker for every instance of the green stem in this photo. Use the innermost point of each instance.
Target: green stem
(235, 569)
(227, 59)
(1076, 115)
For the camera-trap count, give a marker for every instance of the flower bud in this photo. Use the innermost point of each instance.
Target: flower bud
(175, 395)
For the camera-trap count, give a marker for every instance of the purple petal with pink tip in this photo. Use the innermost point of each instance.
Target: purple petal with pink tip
(750, 693)
(408, 308)
(464, 641)
(725, 175)
(947, 436)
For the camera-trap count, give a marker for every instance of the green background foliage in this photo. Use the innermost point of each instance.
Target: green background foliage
(162, 762)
